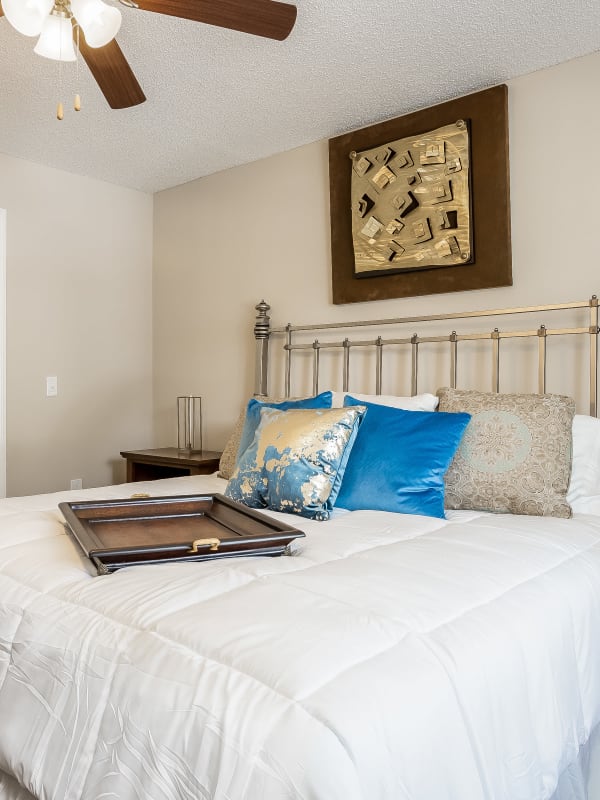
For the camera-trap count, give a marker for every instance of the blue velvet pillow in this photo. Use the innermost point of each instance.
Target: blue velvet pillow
(296, 460)
(399, 460)
(254, 406)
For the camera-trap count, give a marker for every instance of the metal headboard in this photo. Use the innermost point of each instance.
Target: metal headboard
(263, 333)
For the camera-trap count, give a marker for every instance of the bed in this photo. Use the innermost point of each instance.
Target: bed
(394, 656)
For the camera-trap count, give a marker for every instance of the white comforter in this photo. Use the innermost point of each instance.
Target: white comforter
(392, 657)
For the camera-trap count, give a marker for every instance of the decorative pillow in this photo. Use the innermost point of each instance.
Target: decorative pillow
(418, 402)
(399, 459)
(230, 451)
(296, 460)
(584, 487)
(254, 407)
(242, 432)
(516, 453)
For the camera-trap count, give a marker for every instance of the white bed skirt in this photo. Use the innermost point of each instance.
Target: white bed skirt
(579, 781)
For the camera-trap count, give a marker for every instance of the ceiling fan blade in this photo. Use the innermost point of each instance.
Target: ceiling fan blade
(268, 18)
(113, 74)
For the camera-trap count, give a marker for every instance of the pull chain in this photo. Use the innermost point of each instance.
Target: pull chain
(77, 103)
(59, 110)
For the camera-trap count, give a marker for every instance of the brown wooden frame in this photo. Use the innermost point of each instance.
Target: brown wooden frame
(487, 112)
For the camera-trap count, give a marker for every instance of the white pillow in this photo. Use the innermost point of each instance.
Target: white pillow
(584, 487)
(419, 402)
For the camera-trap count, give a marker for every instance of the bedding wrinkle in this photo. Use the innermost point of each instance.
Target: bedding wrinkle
(10, 789)
(223, 739)
(162, 768)
(91, 707)
(42, 688)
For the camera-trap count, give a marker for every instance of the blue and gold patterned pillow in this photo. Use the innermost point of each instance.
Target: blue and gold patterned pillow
(296, 460)
(254, 406)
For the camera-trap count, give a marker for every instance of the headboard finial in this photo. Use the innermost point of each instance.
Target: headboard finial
(262, 324)
(262, 331)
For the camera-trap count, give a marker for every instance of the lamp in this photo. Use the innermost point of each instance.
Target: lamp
(53, 22)
(56, 39)
(99, 22)
(27, 16)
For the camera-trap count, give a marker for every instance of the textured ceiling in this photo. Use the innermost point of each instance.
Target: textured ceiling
(218, 98)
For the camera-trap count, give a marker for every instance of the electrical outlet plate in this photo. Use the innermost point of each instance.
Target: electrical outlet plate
(77, 483)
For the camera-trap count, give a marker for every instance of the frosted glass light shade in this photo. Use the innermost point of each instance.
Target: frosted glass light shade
(27, 16)
(99, 22)
(56, 39)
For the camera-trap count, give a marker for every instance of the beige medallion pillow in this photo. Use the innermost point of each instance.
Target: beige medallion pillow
(515, 455)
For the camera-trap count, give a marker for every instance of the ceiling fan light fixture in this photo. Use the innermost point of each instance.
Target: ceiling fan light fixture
(27, 16)
(99, 22)
(56, 39)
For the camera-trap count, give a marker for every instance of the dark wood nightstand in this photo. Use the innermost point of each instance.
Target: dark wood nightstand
(168, 462)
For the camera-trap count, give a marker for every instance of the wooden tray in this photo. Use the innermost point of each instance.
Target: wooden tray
(154, 530)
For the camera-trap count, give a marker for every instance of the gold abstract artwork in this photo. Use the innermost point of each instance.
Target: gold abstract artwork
(411, 205)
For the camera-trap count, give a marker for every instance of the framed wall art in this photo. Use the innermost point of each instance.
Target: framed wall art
(420, 204)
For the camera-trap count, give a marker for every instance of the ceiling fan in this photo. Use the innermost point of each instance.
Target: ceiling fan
(93, 24)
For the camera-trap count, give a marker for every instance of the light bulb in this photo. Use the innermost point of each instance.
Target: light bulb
(56, 39)
(99, 22)
(27, 16)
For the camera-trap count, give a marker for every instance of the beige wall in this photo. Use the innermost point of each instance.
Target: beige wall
(262, 230)
(80, 303)
(79, 298)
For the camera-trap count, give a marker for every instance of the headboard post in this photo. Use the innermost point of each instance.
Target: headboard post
(316, 348)
(593, 356)
(453, 338)
(542, 341)
(495, 337)
(378, 364)
(346, 374)
(262, 331)
(414, 373)
(288, 359)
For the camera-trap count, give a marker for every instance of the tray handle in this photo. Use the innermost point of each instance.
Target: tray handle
(213, 543)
